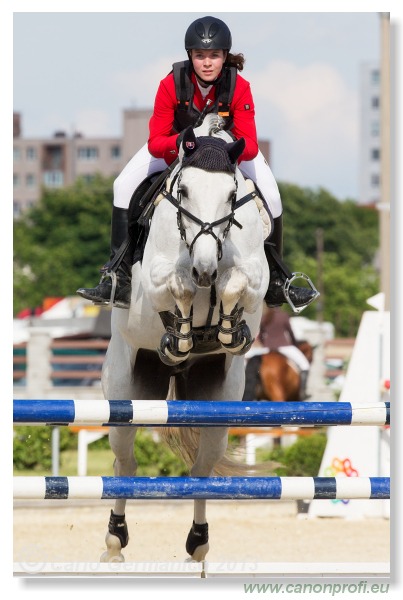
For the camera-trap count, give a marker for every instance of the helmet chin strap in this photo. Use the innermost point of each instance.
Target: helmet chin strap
(207, 83)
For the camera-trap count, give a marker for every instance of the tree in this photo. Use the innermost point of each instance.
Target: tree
(61, 242)
(351, 240)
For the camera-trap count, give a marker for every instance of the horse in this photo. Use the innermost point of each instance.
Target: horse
(196, 305)
(273, 376)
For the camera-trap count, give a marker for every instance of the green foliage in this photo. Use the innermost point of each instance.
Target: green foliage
(32, 446)
(33, 450)
(153, 457)
(60, 244)
(301, 459)
(351, 239)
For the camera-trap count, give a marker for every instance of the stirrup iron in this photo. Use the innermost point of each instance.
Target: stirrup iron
(111, 301)
(287, 284)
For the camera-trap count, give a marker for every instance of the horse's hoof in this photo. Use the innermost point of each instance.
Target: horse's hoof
(113, 552)
(106, 557)
(242, 340)
(197, 541)
(200, 553)
(167, 352)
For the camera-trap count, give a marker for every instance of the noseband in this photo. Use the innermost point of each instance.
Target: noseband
(206, 228)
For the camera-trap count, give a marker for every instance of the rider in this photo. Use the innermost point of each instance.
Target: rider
(207, 82)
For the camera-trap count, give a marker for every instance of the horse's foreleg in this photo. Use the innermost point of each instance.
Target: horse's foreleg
(178, 341)
(234, 334)
(122, 443)
(212, 447)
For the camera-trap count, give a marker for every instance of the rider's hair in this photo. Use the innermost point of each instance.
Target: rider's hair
(235, 60)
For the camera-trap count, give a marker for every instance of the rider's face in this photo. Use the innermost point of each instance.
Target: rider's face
(208, 63)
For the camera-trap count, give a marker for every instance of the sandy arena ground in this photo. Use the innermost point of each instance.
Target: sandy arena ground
(242, 531)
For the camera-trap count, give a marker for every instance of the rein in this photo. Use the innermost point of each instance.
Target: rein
(206, 228)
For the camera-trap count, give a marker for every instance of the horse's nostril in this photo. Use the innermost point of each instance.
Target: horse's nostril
(195, 273)
(214, 275)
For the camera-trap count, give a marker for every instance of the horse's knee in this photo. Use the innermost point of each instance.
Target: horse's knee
(232, 286)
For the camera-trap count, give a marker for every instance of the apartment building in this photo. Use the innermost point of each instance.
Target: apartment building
(370, 138)
(57, 161)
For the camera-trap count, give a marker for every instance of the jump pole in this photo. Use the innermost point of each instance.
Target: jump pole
(210, 488)
(200, 413)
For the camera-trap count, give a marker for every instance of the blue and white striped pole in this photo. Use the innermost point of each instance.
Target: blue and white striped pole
(198, 413)
(219, 488)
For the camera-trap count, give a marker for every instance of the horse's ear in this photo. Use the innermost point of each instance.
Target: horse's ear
(189, 141)
(235, 149)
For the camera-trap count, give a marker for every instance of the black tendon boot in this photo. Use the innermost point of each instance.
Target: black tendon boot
(115, 285)
(280, 290)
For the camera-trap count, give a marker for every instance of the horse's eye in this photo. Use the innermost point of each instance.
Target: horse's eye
(183, 192)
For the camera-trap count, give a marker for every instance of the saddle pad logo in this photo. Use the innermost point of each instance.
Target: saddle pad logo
(190, 145)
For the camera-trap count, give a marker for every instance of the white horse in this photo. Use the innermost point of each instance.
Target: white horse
(203, 269)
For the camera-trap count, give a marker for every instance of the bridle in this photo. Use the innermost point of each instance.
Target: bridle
(206, 228)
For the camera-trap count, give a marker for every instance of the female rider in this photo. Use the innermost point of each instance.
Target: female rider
(207, 82)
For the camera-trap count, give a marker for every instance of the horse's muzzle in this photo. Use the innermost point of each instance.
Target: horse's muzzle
(203, 279)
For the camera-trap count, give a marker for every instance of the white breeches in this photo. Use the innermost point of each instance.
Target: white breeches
(259, 171)
(143, 164)
(137, 169)
(295, 354)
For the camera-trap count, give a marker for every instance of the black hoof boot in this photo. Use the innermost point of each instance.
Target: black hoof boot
(168, 351)
(197, 544)
(118, 526)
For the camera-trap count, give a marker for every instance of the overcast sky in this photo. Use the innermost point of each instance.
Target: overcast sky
(78, 71)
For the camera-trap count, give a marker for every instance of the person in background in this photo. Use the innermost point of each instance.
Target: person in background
(276, 333)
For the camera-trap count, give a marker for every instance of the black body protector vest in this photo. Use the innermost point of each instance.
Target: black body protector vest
(186, 113)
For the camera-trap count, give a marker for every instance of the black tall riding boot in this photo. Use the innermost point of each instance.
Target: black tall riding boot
(115, 285)
(300, 297)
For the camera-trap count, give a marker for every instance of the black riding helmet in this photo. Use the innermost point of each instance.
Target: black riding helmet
(208, 33)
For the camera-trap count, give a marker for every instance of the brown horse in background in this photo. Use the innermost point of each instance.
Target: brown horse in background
(272, 377)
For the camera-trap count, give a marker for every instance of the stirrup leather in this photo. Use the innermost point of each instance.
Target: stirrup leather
(287, 285)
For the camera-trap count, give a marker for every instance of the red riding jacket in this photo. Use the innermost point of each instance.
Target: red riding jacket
(162, 140)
